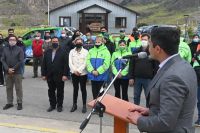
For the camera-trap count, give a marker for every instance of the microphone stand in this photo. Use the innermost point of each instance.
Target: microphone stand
(98, 107)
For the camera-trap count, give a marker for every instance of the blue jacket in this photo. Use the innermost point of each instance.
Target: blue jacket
(98, 59)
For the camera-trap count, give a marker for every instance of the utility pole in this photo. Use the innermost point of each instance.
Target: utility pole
(48, 14)
(186, 25)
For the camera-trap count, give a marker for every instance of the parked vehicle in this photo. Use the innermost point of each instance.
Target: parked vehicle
(30, 35)
(148, 29)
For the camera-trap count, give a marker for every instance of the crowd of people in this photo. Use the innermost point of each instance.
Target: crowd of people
(85, 58)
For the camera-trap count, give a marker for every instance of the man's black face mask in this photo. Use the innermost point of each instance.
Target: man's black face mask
(135, 35)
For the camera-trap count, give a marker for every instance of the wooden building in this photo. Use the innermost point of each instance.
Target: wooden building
(92, 14)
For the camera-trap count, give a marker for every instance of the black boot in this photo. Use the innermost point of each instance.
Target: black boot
(59, 109)
(84, 110)
(19, 107)
(50, 109)
(74, 107)
(7, 106)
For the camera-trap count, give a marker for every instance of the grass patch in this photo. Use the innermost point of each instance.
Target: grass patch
(156, 13)
(19, 31)
(18, 20)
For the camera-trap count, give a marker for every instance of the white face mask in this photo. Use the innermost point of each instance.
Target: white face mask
(12, 43)
(196, 40)
(63, 35)
(37, 38)
(144, 44)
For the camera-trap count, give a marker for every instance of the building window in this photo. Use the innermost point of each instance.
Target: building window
(64, 21)
(120, 22)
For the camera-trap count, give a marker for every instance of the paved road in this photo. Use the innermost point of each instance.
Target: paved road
(34, 118)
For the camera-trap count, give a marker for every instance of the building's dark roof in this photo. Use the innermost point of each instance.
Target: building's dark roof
(95, 5)
(104, 8)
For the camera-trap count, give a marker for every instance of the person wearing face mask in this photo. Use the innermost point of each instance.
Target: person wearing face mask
(77, 65)
(98, 63)
(47, 35)
(117, 64)
(136, 43)
(193, 45)
(88, 40)
(37, 45)
(12, 59)
(121, 37)
(65, 42)
(132, 36)
(55, 71)
(2, 46)
(47, 41)
(141, 71)
(109, 44)
(104, 32)
(76, 34)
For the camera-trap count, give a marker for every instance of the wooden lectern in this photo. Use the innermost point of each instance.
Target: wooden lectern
(119, 109)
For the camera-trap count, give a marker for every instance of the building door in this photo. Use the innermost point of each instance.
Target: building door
(93, 21)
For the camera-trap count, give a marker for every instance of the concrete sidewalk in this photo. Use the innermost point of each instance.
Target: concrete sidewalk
(21, 124)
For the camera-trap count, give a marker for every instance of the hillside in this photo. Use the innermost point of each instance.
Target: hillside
(32, 12)
(165, 12)
(169, 4)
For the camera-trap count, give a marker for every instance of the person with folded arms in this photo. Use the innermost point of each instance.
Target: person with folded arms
(77, 64)
(55, 71)
(98, 63)
(12, 60)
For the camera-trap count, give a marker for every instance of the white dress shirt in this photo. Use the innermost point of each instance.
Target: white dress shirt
(53, 55)
(166, 60)
(77, 61)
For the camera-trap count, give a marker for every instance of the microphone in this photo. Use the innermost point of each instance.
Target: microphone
(140, 55)
(84, 123)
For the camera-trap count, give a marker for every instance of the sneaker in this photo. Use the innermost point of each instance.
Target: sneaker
(197, 123)
(7, 106)
(19, 107)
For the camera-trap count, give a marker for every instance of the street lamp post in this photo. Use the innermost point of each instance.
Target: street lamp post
(48, 13)
(186, 25)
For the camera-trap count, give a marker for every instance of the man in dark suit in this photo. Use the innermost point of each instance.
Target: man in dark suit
(171, 95)
(55, 70)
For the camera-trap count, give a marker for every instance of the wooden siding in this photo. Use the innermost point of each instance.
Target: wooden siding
(72, 10)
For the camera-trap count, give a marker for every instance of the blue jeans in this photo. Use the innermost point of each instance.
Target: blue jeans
(138, 85)
(198, 101)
